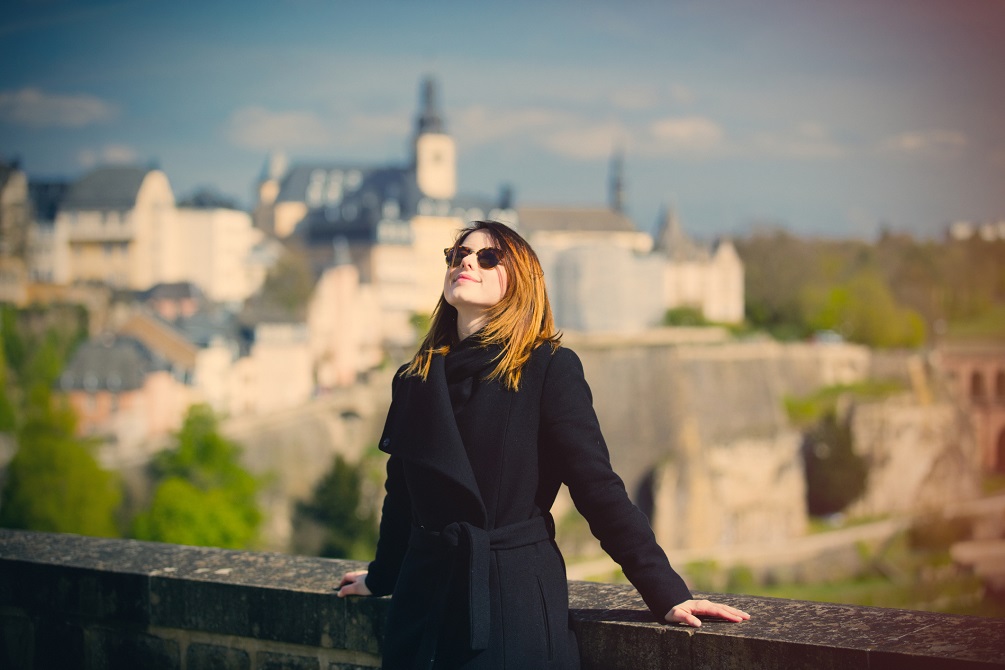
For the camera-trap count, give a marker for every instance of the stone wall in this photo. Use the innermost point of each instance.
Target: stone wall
(73, 602)
(920, 456)
(699, 432)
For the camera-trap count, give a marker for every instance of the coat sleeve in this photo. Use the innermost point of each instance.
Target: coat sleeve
(395, 522)
(572, 437)
(395, 527)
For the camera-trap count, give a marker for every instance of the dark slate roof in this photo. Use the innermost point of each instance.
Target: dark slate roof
(355, 215)
(107, 188)
(211, 323)
(320, 184)
(573, 219)
(46, 198)
(112, 363)
(172, 291)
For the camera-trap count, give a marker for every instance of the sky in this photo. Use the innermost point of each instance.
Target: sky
(833, 119)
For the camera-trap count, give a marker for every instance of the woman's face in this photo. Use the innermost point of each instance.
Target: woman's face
(469, 287)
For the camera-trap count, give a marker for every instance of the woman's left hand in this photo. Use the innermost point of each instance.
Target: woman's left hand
(689, 610)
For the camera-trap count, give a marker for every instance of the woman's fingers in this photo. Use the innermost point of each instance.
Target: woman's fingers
(689, 611)
(353, 584)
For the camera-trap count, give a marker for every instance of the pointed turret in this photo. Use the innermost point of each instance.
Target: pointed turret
(429, 119)
(616, 194)
(672, 241)
(435, 157)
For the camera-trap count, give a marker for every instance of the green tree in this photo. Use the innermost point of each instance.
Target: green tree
(54, 483)
(863, 310)
(202, 495)
(349, 531)
(684, 316)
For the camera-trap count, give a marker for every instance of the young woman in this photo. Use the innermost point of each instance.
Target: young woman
(490, 417)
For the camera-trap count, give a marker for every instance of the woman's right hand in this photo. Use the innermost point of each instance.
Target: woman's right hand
(353, 584)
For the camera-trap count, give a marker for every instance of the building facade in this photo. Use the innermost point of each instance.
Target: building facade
(975, 373)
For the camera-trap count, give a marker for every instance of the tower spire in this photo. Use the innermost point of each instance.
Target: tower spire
(429, 120)
(616, 184)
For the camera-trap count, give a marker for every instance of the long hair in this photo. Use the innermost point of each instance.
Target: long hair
(518, 323)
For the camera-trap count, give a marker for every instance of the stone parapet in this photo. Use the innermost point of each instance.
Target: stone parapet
(68, 601)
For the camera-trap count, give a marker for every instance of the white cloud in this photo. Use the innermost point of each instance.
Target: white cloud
(807, 140)
(35, 108)
(476, 125)
(688, 134)
(263, 130)
(590, 141)
(112, 154)
(926, 142)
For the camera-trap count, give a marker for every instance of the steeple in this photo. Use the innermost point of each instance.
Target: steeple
(434, 156)
(616, 183)
(429, 120)
(672, 241)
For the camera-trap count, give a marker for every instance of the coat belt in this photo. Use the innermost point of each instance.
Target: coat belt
(470, 548)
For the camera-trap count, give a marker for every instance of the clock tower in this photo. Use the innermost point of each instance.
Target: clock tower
(435, 155)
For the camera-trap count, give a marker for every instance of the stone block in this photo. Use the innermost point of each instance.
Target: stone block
(124, 649)
(364, 623)
(58, 645)
(216, 657)
(268, 660)
(91, 593)
(17, 637)
(199, 605)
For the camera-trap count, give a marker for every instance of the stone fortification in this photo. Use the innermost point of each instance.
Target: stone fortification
(96, 604)
(921, 455)
(699, 432)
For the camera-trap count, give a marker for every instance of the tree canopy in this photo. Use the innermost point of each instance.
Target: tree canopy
(202, 494)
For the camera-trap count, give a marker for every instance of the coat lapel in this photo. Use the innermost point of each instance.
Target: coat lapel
(423, 431)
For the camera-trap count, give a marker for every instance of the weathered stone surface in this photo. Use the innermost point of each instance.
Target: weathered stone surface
(919, 456)
(127, 649)
(216, 657)
(16, 635)
(267, 660)
(289, 602)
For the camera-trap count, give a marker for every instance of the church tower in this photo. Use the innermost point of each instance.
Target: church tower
(616, 194)
(435, 156)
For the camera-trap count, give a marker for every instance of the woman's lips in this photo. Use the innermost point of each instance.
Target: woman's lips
(465, 277)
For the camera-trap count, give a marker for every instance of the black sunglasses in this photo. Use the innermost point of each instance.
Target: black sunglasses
(488, 257)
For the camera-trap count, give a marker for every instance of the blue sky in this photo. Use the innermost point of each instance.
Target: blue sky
(829, 118)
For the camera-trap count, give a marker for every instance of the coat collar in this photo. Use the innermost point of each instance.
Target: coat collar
(423, 431)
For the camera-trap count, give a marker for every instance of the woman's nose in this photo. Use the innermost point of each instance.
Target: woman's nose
(469, 261)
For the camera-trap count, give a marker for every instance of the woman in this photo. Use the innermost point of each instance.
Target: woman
(490, 417)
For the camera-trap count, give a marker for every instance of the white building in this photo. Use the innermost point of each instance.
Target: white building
(394, 220)
(120, 226)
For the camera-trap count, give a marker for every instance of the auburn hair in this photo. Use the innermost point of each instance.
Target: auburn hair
(519, 323)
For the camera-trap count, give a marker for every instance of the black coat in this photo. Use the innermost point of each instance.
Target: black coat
(466, 538)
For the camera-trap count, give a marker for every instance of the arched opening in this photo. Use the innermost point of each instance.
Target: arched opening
(1000, 460)
(976, 387)
(1000, 386)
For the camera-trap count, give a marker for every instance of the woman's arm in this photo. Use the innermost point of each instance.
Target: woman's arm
(573, 443)
(395, 527)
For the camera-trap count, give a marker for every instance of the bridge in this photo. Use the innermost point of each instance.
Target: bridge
(68, 601)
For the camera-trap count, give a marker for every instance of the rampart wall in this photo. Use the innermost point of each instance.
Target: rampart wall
(73, 602)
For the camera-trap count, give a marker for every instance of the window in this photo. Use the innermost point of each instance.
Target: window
(976, 387)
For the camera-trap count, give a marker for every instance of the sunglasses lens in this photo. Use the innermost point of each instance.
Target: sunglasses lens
(455, 255)
(488, 258)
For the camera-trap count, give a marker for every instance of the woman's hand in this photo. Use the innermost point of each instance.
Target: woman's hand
(354, 584)
(688, 611)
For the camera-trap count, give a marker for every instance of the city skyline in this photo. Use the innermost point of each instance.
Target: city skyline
(830, 120)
